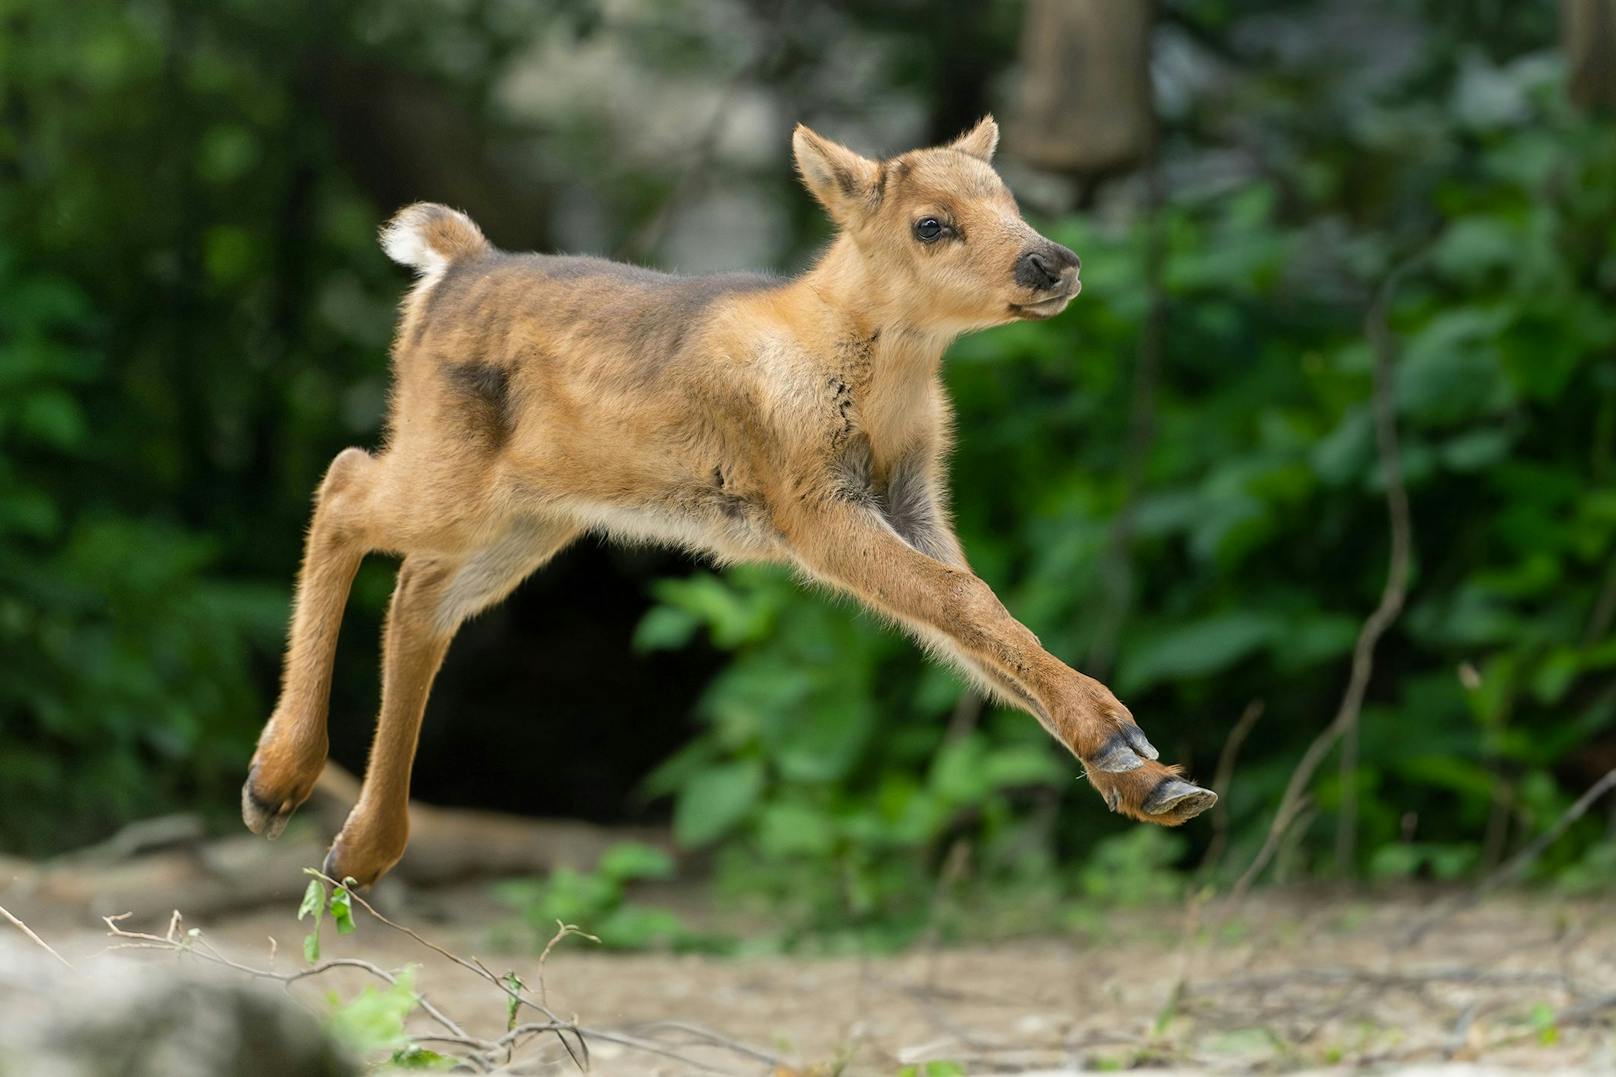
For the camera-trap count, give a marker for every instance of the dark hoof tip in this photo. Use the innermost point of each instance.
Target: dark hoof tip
(332, 868)
(1138, 742)
(1116, 757)
(1179, 799)
(263, 816)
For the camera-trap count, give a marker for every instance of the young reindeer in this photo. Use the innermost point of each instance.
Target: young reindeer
(800, 421)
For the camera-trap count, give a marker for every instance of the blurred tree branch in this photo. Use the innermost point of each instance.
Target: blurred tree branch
(1084, 102)
(1588, 35)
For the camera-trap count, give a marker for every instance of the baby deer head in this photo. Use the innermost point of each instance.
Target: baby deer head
(936, 236)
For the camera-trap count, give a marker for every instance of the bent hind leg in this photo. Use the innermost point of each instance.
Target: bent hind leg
(433, 596)
(292, 749)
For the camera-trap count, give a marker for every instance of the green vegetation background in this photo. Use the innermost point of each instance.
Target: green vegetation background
(194, 317)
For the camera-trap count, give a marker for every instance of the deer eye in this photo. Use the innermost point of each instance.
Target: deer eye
(929, 229)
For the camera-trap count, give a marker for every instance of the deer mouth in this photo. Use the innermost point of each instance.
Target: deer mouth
(1046, 308)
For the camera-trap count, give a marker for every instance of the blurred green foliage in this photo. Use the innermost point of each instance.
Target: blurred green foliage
(596, 902)
(188, 333)
(193, 316)
(1259, 540)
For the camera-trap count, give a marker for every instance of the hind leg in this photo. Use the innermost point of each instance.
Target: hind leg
(291, 751)
(434, 595)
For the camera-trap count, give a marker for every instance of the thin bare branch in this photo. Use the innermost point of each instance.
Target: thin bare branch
(1222, 777)
(1345, 723)
(556, 1024)
(1516, 866)
(41, 943)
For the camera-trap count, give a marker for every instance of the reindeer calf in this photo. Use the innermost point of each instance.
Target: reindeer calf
(796, 421)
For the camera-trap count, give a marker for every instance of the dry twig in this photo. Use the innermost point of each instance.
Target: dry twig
(1221, 778)
(477, 1052)
(1516, 865)
(41, 943)
(1344, 727)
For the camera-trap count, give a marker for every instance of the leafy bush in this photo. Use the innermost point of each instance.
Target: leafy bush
(595, 902)
(1258, 538)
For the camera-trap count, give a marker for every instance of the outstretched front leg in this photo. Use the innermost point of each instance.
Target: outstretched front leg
(854, 546)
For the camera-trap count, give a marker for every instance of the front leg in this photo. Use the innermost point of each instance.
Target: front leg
(853, 546)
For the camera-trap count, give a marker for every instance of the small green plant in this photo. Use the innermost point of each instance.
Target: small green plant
(598, 901)
(316, 904)
(933, 1069)
(1545, 1024)
(373, 1020)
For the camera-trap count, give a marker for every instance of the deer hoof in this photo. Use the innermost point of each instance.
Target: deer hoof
(1116, 756)
(1179, 799)
(263, 816)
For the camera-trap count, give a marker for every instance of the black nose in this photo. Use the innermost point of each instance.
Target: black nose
(1043, 267)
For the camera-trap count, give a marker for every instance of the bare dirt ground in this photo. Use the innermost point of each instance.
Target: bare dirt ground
(1288, 982)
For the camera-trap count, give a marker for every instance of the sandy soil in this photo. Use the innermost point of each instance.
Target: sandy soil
(1289, 982)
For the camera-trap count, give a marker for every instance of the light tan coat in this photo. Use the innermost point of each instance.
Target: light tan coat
(801, 422)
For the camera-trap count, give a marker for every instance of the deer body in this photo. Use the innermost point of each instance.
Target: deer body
(744, 417)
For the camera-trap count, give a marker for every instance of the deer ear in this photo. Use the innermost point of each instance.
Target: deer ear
(980, 141)
(841, 179)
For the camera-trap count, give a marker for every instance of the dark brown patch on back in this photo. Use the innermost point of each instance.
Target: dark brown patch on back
(485, 392)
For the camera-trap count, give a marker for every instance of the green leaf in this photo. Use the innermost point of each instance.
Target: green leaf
(374, 1020)
(1451, 369)
(794, 829)
(1196, 648)
(513, 1004)
(1021, 765)
(629, 860)
(933, 1069)
(638, 927)
(313, 906)
(313, 901)
(957, 773)
(664, 628)
(416, 1057)
(54, 418)
(1472, 247)
(715, 800)
(342, 910)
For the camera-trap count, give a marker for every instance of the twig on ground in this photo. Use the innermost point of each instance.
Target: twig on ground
(1516, 865)
(1413, 980)
(1220, 784)
(1461, 1030)
(481, 1054)
(1345, 724)
(563, 929)
(199, 946)
(953, 869)
(709, 1037)
(41, 943)
(555, 1023)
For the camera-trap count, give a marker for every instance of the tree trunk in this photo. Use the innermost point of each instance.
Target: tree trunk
(1588, 34)
(1084, 106)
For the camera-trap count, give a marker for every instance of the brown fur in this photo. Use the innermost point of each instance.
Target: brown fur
(799, 421)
